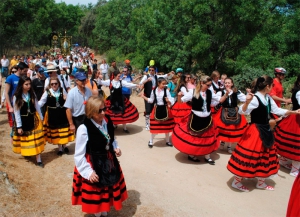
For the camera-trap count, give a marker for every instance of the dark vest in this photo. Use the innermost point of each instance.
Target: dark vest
(97, 140)
(148, 86)
(215, 88)
(295, 101)
(234, 100)
(27, 118)
(260, 114)
(57, 117)
(198, 103)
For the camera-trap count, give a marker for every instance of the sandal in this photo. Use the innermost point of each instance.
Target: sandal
(238, 185)
(262, 185)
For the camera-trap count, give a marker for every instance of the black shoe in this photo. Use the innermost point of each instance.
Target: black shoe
(59, 153)
(126, 131)
(150, 145)
(115, 126)
(210, 161)
(169, 144)
(194, 159)
(40, 164)
(66, 150)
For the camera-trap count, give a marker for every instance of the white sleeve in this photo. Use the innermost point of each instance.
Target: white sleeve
(215, 99)
(46, 83)
(275, 109)
(143, 79)
(151, 99)
(183, 90)
(115, 144)
(298, 97)
(60, 65)
(162, 76)
(83, 167)
(17, 113)
(241, 96)
(104, 83)
(38, 109)
(187, 97)
(43, 99)
(128, 85)
(252, 105)
(171, 99)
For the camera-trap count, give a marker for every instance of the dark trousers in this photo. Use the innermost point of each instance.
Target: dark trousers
(78, 121)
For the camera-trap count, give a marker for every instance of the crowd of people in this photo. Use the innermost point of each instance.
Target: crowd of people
(203, 113)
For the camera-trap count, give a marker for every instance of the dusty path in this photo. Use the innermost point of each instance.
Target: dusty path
(160, 181)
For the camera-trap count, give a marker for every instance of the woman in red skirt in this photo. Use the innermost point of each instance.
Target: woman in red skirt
(161, 119)
(196, 134)
(287, 133)
(119, 108)
(181, 109)
(293, 207)
(230, 124)
(98, 181)
(255, 155)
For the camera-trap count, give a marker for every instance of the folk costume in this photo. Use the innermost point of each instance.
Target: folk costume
(56, 125)
(196, 134)
(119, 108)
(293, 206)
(287, 138)
(255, 154)
(28, 117)
(94, 151)
(161, 118)
(181, 109)
(230, 124)
(215, 88)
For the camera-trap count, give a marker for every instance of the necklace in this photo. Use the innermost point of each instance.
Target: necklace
(27, 100)
(56, 94)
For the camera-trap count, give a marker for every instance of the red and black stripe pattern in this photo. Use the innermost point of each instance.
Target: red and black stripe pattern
(230, 133)
(287, 137)
(191, 144)
(128, 116)
(251, 159)
(180, 110)
(94, 199)
(166, 126)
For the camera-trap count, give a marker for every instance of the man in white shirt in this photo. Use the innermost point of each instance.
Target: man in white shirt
(64, 64)
(5, 64)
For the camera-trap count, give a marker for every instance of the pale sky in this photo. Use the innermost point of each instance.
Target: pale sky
(76, 2)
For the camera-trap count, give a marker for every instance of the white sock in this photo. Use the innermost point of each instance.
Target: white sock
(152, 135)
(207, 156)
(60, 147)
(38, 158)
(97, 214)
(167, 137)
(295, 166)
(229, 145)
(124, 127)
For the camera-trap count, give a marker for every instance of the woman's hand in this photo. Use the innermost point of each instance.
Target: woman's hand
(180, 94)
(118, 152)
(249, 96)
(94, 177)
(20, 131)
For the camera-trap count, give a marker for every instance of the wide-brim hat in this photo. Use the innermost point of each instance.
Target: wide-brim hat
(51, 68)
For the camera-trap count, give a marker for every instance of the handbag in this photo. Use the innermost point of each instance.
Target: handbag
(230, 116)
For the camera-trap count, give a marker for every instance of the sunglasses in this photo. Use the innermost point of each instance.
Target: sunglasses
(49, 73)
(124, 71)
(208, 85)
(52, 84)
(102, 110)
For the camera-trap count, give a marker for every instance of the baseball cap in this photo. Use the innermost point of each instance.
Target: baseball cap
(179, 70)
(80, 76)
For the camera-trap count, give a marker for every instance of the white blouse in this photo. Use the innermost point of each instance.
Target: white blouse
(116, 84)
(17, 111)
(215, 100)
(43, 99)
(83, 167)
(159, 96)
(298, 97)
(254, 104)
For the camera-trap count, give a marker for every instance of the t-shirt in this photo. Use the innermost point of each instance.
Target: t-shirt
(13, 81)
(126, 90)
(13, 62)
(92, 85)
(277, 90)
(172, 87)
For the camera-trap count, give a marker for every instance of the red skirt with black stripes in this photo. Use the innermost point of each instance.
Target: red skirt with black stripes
(230, 133)
(287, 137)
(192, 144)
(94, 199)
(165, 126)
(180, 110)
(251, 159)
(129, 115)
(294, 202)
